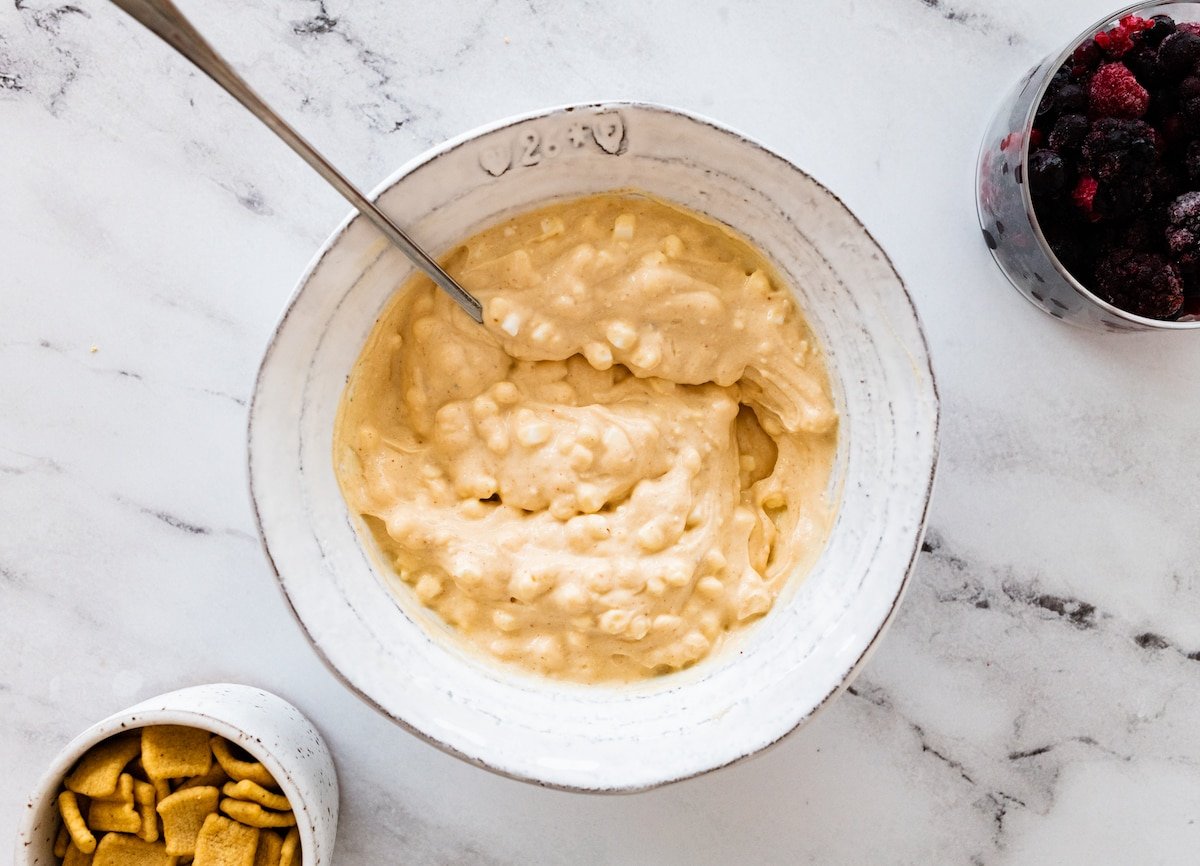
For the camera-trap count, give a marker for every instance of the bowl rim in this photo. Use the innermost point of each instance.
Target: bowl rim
(144, 714)
(1027, 198)
(448, 146)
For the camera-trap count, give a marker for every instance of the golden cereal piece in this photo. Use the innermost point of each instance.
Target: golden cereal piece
(162, 789)
(183, 815)
(237, 769)
(74, 857)
(146, 797)
(117, 849)
(116, 813)
(61, 841)
(289, 854)
(270, 849)
(97, 772)
(81, 836)
(214, 778)
(255, 793)
(175, 751)
(254, 815)
(223, 842)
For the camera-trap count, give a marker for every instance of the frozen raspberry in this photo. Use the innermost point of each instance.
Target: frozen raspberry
(1047, 174)
(1188, 27)
(1183, 231)
(1178, 54)
(1143, 283)
(1115, 92)
(1084, 194)
(1068, 133)
(1117, 41)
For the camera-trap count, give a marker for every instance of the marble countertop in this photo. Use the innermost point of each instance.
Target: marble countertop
(1037, 698)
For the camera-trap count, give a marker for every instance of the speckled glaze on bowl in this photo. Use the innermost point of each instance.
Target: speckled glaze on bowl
(774, 675)
(265, 725)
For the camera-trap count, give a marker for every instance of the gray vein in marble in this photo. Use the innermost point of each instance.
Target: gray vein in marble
(46, 25)
(994, 802)
(32, 464)
(123, 373)
(980, 21)
(1080, 614)
(174, 521)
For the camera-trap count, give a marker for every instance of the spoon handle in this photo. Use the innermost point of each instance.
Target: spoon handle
(169, 24)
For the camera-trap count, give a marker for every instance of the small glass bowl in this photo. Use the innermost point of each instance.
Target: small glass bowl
(1006, 215)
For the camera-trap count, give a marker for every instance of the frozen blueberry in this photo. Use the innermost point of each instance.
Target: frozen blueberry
(1161, 26)
(1178, 54)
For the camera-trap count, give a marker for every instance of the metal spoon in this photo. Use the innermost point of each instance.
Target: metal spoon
(163, 19)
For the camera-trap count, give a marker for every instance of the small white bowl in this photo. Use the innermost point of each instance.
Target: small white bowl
(401, 659)
(263, 724)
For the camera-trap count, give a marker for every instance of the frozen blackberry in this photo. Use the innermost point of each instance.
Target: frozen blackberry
(1145, 284)
(1068, 133)
(1047, 174)
(1114, 91)
(1120, 149)
(1178, 55)
(1183, 231)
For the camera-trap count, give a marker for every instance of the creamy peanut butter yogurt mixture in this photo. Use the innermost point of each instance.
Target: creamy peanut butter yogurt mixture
(622, 467)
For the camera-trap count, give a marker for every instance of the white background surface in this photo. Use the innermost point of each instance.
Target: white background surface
(1036, 701)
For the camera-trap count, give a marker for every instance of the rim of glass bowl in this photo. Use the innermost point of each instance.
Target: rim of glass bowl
(1027, 200)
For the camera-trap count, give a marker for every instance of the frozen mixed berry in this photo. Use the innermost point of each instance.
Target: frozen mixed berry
(1178, 54)
(1114, 91)
(1183, 230)
(1145, 284)
(1114, 164)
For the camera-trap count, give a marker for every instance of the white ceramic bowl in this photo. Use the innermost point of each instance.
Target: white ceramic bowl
(263, 724)
(390, 650)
